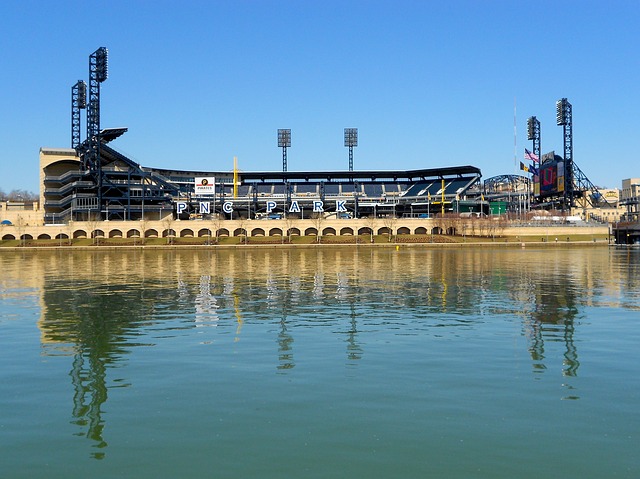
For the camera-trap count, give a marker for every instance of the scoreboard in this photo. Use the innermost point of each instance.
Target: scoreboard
(551, 176)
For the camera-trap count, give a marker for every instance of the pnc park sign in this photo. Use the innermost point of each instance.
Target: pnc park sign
(204, 207)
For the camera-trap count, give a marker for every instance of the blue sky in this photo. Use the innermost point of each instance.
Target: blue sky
(427, 83)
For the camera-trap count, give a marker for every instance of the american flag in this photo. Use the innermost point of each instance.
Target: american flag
(530, 156)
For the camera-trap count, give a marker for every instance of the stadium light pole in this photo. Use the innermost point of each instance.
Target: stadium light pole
(564, 118)
(98, 73)
(284, 142)
(78, 102)
(533, 134)
(350, 141)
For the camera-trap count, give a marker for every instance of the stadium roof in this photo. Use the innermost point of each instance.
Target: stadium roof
(342, 175)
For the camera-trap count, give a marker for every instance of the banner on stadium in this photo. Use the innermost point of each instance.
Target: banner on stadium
(205, 186)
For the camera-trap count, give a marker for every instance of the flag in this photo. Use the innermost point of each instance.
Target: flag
(533, 170)
(524, 167)
(531, 156)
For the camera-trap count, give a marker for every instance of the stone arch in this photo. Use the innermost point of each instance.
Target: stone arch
(346, 231)
(421, 230)
(97, 234)
(240, 232)
(44, 236)
(8, 237)
(186, 233)
(385, 230)
(436, 230)
(204, 232)
(311, 232)
(329, 231)
(275, 232)
(61, 236)
(79, 234)
(115, 234)
(169, 233)
(151, 233)
(26, 236)
(294, 231)
(451, 231)
(404, 230)
(133, 234)
(365, 231)
(223, 232)
(257, 232)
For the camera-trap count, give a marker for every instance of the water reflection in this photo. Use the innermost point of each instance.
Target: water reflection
(285, 342)
(89, 380)
(96, 307)
(87, 319)
(354, 351)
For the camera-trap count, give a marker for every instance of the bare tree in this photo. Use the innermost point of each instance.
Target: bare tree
(216, 225)
(288, 221)
(482, 226)
(167, 224)
(501, 225)
(144, 224)
(19, 195)
(371, 222)
(439, 223)
(492, 227)
(92, 223)
(472, 226)
(242, 223)
(390, 222)
(21, 226)
(318, 221)
(69, 231)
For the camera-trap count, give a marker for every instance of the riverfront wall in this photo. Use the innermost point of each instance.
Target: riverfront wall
(168, 227)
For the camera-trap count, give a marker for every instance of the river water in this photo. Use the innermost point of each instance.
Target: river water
(320, 363)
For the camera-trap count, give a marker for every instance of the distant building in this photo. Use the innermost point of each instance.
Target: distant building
(630, 198)
(606, 208)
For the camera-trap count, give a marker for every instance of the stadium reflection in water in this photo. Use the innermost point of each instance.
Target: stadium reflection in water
(98, 307)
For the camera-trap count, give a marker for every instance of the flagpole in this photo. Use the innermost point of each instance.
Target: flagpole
(515, 139)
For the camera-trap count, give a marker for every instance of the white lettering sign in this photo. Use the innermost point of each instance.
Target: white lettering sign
(205, 207)
(227, 207)
(270, 206)
(340, 206)
(295, 207)
(318, 206)
(181, 206)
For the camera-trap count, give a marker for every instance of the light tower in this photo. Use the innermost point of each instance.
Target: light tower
(284, 142)
(98, 73)
(564, 119)
(91, 159)
(350, 140)
(78, 102)
(533, 133)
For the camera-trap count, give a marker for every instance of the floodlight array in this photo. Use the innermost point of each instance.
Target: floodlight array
(102, 64)
(284, 138)
(531, 128)
(350, 137)
(561, 111)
